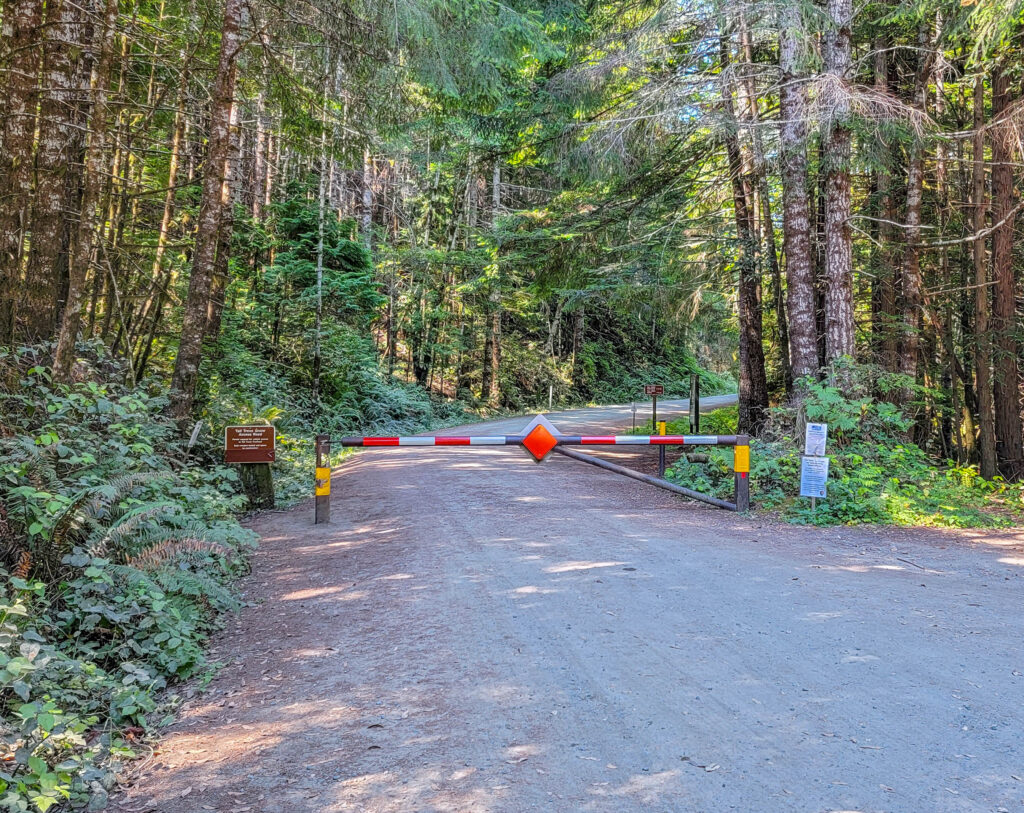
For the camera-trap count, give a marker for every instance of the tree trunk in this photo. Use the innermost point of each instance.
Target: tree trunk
(64, 356)
(194, 317)
(46, 262)
(158, 283)
(910, 272)
(1006, 379)
(753, 395)
(225, 229)
(323, 192)
(367, 210)
(839, 338)
(20, 55)
(796, 213)
(883, 311)
(486, 365)
(767, 231)
(982, 337)
(496, 291)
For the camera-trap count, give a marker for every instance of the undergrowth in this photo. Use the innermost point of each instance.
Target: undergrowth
(116, 557)
(876, 474)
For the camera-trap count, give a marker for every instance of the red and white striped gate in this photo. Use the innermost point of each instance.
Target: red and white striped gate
(539, 439)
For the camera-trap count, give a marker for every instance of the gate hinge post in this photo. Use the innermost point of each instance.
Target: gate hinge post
(322, 489)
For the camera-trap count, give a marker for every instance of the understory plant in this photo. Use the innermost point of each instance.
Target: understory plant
(117, 549)
(877, 474)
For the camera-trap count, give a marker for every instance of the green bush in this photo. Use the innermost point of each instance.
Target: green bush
(116, 555)
(876, 475)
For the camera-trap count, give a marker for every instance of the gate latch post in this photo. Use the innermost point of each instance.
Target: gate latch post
(741, 470)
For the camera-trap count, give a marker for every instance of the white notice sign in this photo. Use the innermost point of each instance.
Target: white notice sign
(813, 476)
(815, 438)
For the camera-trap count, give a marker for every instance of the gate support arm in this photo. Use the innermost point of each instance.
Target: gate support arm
(645, 478)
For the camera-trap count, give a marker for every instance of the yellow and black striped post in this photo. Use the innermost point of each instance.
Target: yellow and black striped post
(741, 469)
(322, 506)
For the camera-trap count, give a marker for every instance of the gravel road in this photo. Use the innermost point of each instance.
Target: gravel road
(478, 633)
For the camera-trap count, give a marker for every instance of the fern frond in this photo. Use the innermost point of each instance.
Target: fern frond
(24, 566)
(110, 494)
(126, 529)
(198, 584)
(71, 519)
(163, 551)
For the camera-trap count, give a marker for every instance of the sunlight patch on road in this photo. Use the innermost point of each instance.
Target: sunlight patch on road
(317, 592)
(567, 567)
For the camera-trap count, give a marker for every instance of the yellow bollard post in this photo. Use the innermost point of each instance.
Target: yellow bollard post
(662, 430)
(322, 492)
(741, 469)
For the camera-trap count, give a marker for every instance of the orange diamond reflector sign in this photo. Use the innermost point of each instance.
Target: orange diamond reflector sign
(539, 438)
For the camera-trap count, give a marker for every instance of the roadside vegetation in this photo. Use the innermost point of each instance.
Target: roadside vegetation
(877, 474)
(390, 217)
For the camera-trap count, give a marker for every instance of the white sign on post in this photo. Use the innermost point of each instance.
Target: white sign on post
(815, 439)
(813, 476)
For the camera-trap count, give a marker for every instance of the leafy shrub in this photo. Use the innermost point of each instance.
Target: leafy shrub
(116, 552)
(876, 474)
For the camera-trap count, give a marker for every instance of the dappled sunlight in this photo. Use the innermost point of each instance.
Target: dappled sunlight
(568, 567)
(317, 592)
(531, 589)
(1013, 560)
(427, 789)
(826, 616)
(646, 788)
(500, 692)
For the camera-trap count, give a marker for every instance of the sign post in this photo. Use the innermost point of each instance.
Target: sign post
(694, 403)
(255, 447)
(654, 390)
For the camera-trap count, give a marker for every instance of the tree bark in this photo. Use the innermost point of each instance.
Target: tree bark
(225, 229)
(81, 259)
(839, 326)
(753, 394)
(194, 318)
(796, 212)
(158, 284)
(367, 210)
(883, 311)
(910, 272)
(1006, 378)
(982, 337)
(46, 261)
(19, 57)
(494, 395)
(767, 231)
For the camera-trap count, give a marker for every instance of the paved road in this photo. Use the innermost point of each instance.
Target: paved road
(477, 633)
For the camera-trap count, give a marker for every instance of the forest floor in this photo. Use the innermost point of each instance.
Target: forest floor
(474, 632)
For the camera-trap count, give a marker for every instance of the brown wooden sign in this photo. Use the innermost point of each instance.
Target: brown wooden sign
(654, 389)
(249, 444)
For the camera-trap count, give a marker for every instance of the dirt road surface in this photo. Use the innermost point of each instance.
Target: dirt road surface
(477, 633)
